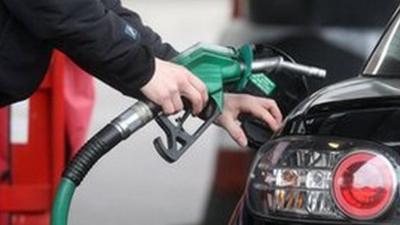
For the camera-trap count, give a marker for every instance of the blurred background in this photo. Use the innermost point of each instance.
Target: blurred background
(134, 185)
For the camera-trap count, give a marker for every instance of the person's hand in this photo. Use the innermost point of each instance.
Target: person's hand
(169, 83)
(262, 108)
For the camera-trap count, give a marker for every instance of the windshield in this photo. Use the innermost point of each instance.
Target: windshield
(385, 60)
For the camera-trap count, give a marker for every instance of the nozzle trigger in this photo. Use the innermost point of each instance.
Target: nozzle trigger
(178, 140)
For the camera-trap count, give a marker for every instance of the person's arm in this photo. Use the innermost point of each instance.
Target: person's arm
(107, 46)
(94, 37)
(150, 38)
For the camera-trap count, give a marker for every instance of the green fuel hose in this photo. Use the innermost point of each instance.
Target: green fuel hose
(62, 202)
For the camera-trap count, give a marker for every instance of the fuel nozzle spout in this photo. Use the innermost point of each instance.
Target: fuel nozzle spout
(269, 65)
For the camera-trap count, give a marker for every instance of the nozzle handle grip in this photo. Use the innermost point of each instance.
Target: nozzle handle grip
(178, 139)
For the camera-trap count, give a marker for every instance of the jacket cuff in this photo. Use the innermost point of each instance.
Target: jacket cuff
(138, 73)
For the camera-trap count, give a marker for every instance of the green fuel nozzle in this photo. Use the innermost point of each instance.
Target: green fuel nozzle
(220, 66)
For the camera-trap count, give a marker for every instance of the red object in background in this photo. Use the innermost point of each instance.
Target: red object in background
(3, 140)
(231, 172)
(79, 99)
(238, 8)
(36, 166)
(4, 131)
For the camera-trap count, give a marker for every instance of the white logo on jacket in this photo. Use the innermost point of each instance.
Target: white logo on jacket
(131, 32)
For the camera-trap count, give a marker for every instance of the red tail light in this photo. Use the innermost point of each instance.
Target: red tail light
(364, 185)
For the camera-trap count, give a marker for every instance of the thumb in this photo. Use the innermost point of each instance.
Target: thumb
(234, 130)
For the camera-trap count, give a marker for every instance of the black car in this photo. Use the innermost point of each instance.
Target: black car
(336, 159)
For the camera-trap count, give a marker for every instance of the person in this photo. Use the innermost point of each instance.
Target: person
(110, 42)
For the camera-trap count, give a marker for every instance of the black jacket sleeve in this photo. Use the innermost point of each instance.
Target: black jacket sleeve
(151, 39)
(92, 35)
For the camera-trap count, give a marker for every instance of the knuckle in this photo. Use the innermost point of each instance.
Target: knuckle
(184, 81)
(165, 108)
(179, 108)
(274, 103)
(181, 81)
(269, 101)
(174, 92)
(203, 88)
(198, 100)
(267, 118)
(180, 77)
(164, 97)
(174, 85)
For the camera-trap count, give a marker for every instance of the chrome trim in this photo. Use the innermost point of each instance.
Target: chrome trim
(132, 119)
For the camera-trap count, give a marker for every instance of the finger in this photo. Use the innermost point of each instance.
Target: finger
(271, 121)
(234, 130)
(194, 97)
(265, 115)
(168, 107)
(274, 109)
(177, 102)
(200, 87)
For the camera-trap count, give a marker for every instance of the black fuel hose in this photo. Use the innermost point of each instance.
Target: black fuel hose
(100, 144)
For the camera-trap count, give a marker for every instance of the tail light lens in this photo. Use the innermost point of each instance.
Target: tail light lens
(323, 178)
(364, 185)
